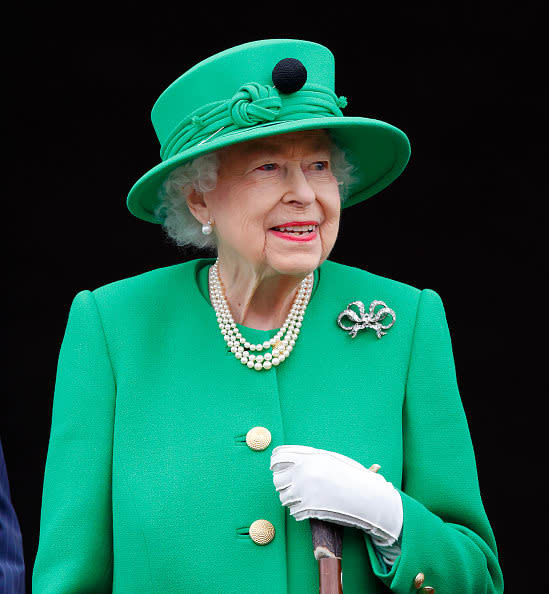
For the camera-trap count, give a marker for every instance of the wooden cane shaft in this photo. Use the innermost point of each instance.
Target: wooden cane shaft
(327, 545)
(329, 575)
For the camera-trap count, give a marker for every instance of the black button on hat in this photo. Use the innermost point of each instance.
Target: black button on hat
(289, 75)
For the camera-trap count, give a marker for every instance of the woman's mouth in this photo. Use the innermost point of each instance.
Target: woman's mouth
(296, 232)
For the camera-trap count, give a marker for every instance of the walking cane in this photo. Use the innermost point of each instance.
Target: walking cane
(327, 545)
(327, 541)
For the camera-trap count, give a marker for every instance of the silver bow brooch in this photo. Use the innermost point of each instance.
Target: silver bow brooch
(372, 319)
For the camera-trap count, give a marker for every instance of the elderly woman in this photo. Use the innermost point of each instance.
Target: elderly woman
(202, 411)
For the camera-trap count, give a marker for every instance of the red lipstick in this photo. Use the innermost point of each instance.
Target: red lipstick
(308, 236)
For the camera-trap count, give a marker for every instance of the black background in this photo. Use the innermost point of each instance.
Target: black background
(465, 84)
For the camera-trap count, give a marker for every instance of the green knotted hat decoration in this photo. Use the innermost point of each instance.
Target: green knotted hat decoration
(260, 89)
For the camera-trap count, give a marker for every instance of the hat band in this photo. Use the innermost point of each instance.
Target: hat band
(253, 104)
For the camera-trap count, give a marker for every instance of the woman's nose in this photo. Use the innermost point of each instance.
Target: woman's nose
(298, 187)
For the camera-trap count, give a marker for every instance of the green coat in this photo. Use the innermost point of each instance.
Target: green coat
(149, 484)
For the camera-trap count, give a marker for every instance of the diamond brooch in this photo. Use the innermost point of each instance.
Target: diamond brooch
(373, 319)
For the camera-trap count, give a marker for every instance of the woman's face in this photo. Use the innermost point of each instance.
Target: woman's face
(268, 183)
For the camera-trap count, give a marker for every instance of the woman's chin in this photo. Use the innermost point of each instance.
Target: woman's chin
(294, 264)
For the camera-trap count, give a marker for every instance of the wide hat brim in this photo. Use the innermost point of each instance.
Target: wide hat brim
(378, 151)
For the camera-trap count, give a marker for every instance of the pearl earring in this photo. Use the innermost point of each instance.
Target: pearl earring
(207, 228)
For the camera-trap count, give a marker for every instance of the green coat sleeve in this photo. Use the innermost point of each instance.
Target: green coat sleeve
(75, 546)
(446, 534)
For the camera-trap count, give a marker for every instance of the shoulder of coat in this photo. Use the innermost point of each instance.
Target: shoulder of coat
(351, 278)
(148, 285)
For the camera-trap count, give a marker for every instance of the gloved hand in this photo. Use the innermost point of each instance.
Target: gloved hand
(329, 486)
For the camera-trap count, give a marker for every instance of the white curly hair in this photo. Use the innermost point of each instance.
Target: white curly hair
(201, 174)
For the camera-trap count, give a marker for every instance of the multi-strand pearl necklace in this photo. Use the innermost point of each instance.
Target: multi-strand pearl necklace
(282, 343)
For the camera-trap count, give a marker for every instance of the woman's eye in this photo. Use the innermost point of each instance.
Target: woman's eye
(320, 165)
(268, 167)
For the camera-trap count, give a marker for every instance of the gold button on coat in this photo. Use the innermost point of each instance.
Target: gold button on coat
(418, 581)
(258, 438)
(428, 590)
(262, 532)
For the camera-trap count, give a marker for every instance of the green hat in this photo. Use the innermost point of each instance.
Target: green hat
(260, 89)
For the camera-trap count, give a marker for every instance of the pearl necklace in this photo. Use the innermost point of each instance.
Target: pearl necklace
(281, 345)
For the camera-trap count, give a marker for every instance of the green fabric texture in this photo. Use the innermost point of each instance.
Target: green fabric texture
(150, 487)
(230, 98)
(252, 104)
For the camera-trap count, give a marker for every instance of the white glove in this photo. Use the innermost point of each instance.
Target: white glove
(329, 486)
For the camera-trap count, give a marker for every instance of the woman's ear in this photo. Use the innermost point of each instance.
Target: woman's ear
(197, 205)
